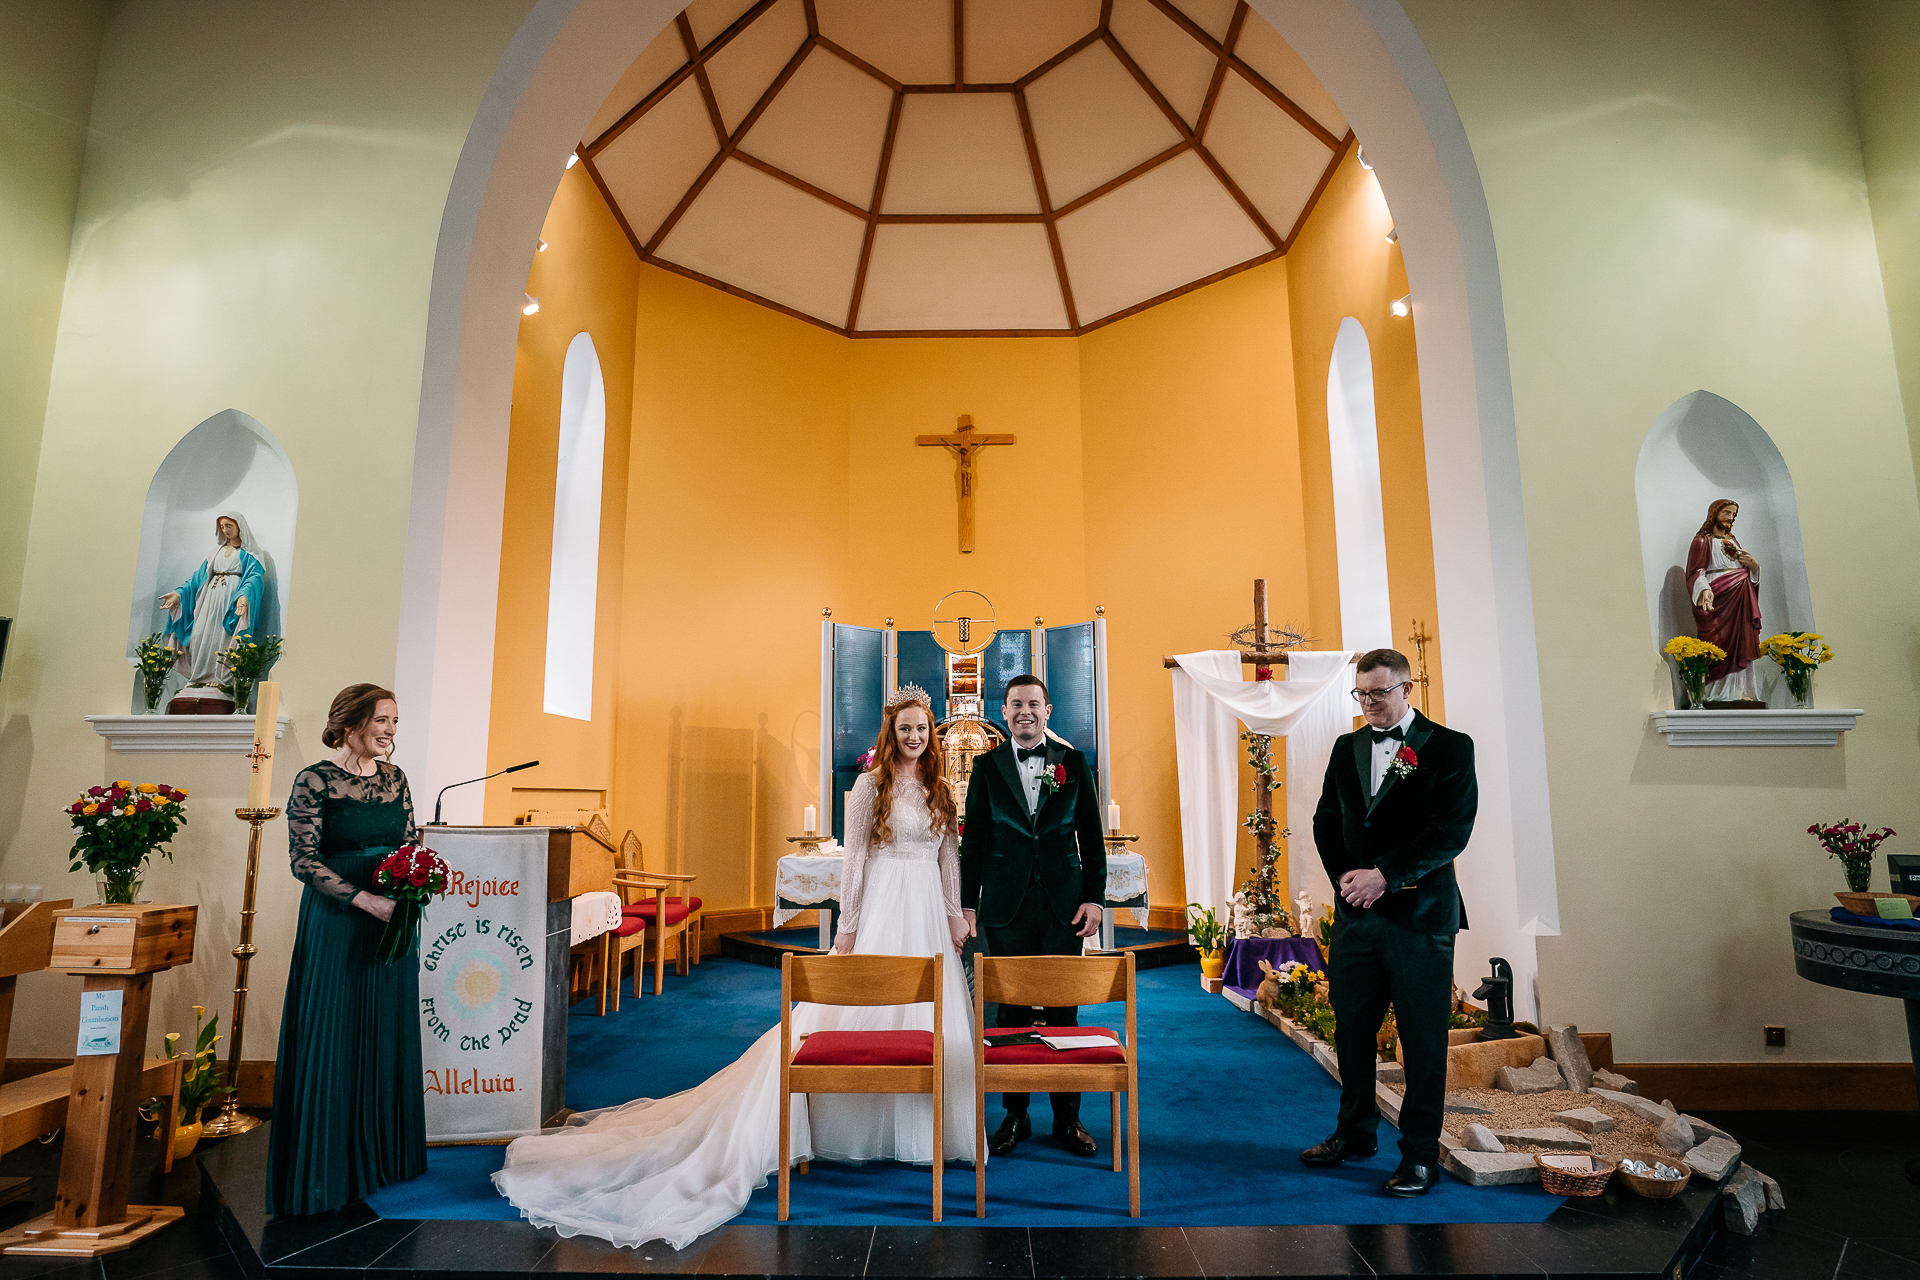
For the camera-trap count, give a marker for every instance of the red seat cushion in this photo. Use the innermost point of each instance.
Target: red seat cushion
(1039, 1055)
(630, 925)
(866, 1049)
(646, 908)
(676, 912)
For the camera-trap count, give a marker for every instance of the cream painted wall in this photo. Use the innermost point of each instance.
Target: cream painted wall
(1678, 203)
(48, 49)
(256, 230)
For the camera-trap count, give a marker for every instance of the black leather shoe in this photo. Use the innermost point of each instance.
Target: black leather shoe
(1334, 1150)
(1012, 1132)
(1411, 1179)
(1076, 1140)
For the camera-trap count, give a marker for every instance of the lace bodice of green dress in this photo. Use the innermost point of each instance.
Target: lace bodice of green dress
(332, 811)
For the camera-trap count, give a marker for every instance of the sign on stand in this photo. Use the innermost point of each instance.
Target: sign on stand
(483, 969)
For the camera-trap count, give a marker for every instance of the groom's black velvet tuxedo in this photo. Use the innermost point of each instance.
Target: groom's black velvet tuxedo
(1399, 950)
(1025, 875)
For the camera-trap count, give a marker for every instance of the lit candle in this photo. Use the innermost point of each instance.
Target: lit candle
(807, 821)
(1113, 817)
(266, 721)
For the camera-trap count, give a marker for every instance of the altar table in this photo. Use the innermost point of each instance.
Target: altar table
(812, 883)
(1245, 954)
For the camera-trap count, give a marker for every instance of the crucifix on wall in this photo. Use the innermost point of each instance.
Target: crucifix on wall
(965, 442)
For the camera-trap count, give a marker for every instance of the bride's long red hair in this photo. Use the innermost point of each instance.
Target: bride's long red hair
(932, 774)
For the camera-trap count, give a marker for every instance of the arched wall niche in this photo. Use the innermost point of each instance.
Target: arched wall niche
(1359, 517)
(1702, 448)
(228, 463)
(556, 72)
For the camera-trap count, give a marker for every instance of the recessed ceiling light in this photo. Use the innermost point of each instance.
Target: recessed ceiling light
(573, 158)
(543, 246)
(1361, 154)
(1402, 305)
(533, 306)
(1393, 237)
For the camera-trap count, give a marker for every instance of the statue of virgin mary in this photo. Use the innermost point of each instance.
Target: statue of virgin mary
(220, 600)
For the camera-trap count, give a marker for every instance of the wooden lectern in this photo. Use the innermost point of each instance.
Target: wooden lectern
(116, 950)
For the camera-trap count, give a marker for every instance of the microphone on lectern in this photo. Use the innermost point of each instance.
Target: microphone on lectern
(469, 782)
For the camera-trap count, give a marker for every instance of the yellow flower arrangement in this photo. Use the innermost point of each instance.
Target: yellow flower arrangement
(1689, 650)
(1799, 653)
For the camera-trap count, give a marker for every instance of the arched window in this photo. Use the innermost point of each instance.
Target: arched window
(575, 580)
(1359, 528)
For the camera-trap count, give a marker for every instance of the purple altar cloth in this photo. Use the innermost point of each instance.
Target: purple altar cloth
(1245, 954)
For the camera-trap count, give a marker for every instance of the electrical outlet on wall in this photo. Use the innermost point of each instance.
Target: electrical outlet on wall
(1776, 1036)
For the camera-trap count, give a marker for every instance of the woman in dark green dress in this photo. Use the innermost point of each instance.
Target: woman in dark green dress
(348, 1112)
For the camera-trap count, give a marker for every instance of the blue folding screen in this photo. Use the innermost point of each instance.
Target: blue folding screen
(1072, 683)
(858, 705)
(924, 662)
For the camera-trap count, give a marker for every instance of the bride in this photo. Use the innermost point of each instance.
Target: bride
(675, 1168)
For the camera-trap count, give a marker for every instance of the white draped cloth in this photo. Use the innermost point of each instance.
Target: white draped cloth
(675, 1168)
(1310, 708)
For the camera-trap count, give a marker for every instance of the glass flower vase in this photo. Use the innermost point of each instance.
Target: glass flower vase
(1696, 682)
(1800, 688)
(118, 887)
(1859, 873)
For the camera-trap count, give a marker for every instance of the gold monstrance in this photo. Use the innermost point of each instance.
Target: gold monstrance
(964, 625)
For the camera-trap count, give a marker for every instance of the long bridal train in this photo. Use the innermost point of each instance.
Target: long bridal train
(675, 1168)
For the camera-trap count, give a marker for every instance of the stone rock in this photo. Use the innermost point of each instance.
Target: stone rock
(1613, 1080)
(1389, 1103)
(1448, 1142)
(1542, 1077)
(1490, 1169)
(1481, 1138)
(1714, 1159)
(1585, 1119)
(1563, 1042)
(1776, 1198)
(1652, 1112)
(1455, 1105)
(1675, 1135)
(1472, 1064)
(1744, 1199)
(1324, 1055)
(1390, 1073)
(1702, 1130)
(1554, 1139)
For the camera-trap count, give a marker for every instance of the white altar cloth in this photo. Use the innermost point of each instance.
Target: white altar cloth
(810, 882)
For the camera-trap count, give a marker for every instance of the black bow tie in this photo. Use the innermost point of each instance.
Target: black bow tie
(1025, 754)
(1378, 736)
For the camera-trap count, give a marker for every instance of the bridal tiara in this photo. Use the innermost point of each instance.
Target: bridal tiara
(907, 693)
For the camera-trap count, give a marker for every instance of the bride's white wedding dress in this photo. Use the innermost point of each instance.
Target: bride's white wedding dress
(675, 1168)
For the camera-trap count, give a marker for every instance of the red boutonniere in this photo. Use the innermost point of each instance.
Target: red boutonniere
(1404, 762)
(1055, 778)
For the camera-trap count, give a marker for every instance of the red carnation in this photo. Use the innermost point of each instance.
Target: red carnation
(96, 791)
(77, 807)
(119, 793)
(143, 804)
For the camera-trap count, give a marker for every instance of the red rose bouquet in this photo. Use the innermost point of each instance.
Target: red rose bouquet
(410, 875)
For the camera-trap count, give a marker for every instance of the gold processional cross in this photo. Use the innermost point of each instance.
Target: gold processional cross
(965, 443)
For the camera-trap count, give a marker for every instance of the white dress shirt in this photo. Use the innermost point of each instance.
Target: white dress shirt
(1386, 749)
(1030, 771)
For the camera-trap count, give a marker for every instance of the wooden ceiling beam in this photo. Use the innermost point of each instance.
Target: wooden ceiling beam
(1247, 73)
(1219, 80)
(855, 60)
(1145, 166)
(692, 46)
(937, 219)
(731, 145)
(1147, 85)
(812, 12)
(799, 183)
(959, 88)
(738, 292)
(873, 214)
(964, 333)
(1058, 58)
(1346, 145)
(678, 78)
(1046, 208)
(1189, 287)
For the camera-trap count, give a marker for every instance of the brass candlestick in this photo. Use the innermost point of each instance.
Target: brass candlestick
(810, 845)
(1117, 843)
(231, 1119)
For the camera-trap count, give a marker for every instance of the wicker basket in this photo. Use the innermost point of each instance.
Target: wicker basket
(1565, 1182)
(1656, 1188)
(1865, 904)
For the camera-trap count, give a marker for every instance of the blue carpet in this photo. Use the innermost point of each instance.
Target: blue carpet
(1226, 1105)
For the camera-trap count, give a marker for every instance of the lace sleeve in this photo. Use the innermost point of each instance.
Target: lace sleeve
(406, 798)
(950, 870)
(306, 815)
(853, 872)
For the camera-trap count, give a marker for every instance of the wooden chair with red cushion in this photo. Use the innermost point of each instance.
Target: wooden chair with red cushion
(646, 895)
(1056, 981)
(861, 1061)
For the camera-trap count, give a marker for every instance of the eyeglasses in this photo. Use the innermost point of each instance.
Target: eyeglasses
(1380, 695)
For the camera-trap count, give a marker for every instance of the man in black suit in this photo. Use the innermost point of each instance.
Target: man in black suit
(1033, 874)
(1396, 809)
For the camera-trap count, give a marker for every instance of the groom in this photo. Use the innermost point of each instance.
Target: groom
(1396, 809)
(1033, 873)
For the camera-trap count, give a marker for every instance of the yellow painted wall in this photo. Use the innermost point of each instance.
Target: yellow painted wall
(1342, 265)
(587, 280)
(255, 230)
(1678, 203)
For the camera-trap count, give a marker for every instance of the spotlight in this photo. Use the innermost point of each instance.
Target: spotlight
(1393, 237)
(1402, 305)
(573, 158)
(1361, 154)
(533, 307)
(543, 246)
